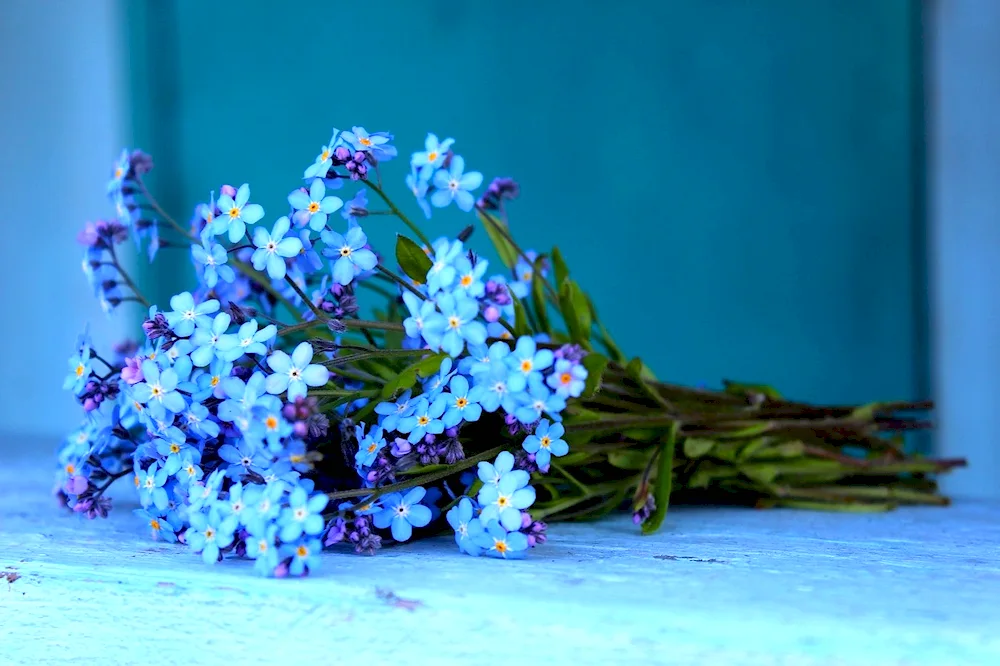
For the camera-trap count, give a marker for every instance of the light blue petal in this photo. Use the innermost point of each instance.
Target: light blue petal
(441, 198)
(364, 259)
(420, 515)
(276, 267)
(299, 200)
(401, 530)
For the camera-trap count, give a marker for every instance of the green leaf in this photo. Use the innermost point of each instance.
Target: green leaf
(762, 473)
(695, 447)
(865, 412)
(412, 260)
(495, 230)
(521, 324)
(408, 377)
(538, 297)
(559, 264)
(737, 388)
(595, 365)
(629, 459)
(575, 311)
(664, 482)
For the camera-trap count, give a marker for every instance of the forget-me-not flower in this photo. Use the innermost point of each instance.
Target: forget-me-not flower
(348, 253)
(186, 315)
(235, 214)
(498, 542)
(426, 419)
(505, 500)
(454, 185)
(159, 391)
(294, 373)
(467, 526)
(209, 533)
(248, 340)
(302, 515)
(206, 339)
(546, 442)
(213, 259)
(456, 323)
(313, 207)
(273, 248)
(432, 156)
(402, 513)
(462, 402)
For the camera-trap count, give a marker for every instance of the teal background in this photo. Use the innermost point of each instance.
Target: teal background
(738, 184)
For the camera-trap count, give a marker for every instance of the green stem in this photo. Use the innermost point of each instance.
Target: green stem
(371, 495)
(125, 276)
(400, 281)
(265, 285)
(398, 213)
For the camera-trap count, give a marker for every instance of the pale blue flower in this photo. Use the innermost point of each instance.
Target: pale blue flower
(235, 214)
(402, 513)
(454, 185)
(295, 373)
(349, 254)
(313, 207)
(273, 248)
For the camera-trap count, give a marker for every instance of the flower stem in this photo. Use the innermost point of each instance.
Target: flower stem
(414, 228)
(125, 276)
(400, 281)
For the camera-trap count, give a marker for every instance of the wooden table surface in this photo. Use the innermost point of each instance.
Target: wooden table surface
(716, 586)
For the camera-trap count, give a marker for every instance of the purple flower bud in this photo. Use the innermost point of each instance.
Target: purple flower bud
(400, 447)
(228, 191)
(140, 163)
(336, 325)
(525, 520)
(76, 484)
(157, 327)
(132, 372)
(336, 532)
(491, 313)
(341, 154)
(300, 429)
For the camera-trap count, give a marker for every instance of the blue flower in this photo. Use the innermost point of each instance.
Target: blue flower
(529, 361)
(432, 156)
(273, 248)
(176, 453)
(313, 207)
(151, 490)
(295, 373)
(206, 339)
(462, 402)
(497, 386)
(210, 533)
(392, 412)
(419, 187)
(79, 371)
(186, 315)
(302, 515)
(204, 493)
(426, 419)
(248, 340)
(308, 261)
(402, 513)
(470, 276)
(368, 445)
(261, 547)
(304, 554)
(546, 442)
(265, 501)
(158, 526)
(441, 274)
(505, 500)
(351, 255)
(236, 214)
(568, 379)
(118, 173)
(241, 397)
(536, 401)
(236, 505)
(324, 160)
(159, 391)
(213, 259)
(435, 385)
(420, 312)
(491, 473)
(498, 542)
(454, 185)
(467, 527)
(243, 458)
(456, 323)
(356, 207)
(376, 143)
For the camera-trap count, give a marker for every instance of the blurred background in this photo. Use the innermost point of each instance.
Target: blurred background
(800, 193)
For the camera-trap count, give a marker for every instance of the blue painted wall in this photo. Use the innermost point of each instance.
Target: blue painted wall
(61, 111)
(735, 182)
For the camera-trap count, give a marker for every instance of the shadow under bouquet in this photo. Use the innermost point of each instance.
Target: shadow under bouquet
(266, 415)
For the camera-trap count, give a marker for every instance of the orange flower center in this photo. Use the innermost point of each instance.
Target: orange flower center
(314, 207)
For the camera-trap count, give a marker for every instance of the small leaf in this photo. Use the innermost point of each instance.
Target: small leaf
(559, 264)
(748, 390)
(521, 324)
(865, 412)
(629, 459)
(762, 473)
(695, 447)
(413, 261)
(538, 297)
(408, 377)
(575, 311)
(664, 482)
(595, 365)
(496, 229)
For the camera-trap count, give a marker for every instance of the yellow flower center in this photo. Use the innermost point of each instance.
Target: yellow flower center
(296, 458)
(454, 322)
(503, 501)
(565, 378)
(209, 534)
(313, 206)
(234, 213)
(155, 524)
(525, 276)
(431, 156)
(372, 447)
(500, 546)
(461, 403)
(302, 551)
(526, 365)
(262, 546)
(545, 442)
(271, 422)
(71, 468)
(423, 420)
(365, 141)
(466, 280)
(215, 381)
(325, 155)
(79, 370)
(136, 479)
(174, 448)
(345, 251)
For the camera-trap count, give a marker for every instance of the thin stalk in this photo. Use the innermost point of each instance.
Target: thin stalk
(398, 213)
